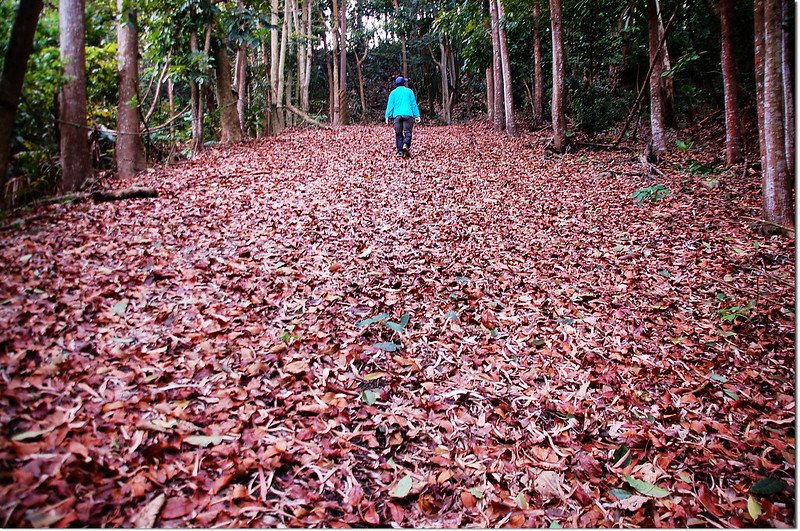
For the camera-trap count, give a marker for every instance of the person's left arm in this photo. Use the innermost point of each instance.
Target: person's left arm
(414, 107)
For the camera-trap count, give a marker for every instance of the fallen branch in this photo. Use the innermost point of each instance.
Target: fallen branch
(100, 196)
(307, 118)
(771, 223)
(103, 196)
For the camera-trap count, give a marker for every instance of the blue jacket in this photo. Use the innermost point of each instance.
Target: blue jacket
(402, 102)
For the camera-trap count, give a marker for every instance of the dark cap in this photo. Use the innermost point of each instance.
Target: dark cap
(400, 80)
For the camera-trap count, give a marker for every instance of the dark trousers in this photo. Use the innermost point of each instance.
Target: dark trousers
(402, 131)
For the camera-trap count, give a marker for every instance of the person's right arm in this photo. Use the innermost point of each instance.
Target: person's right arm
(390, 107)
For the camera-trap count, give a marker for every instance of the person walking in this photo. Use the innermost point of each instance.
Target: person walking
(403, 110)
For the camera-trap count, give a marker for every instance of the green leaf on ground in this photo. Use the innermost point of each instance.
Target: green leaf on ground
(388, 347)
(648, 489)
(767, 485)
(369, 397)
(403, 487)
(620, 494)
(754, 508)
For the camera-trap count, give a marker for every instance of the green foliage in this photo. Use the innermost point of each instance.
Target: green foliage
(732, 313)
(652, 194)
(595, 108)
(684, 145)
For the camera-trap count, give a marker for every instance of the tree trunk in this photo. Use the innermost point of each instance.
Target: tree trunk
(74, 145)
(305, 83)
(658, 141)
(788, 92)
(538, 78)
(361, 93)
(280, 110)
(559, 118)
(241, 86)
(130, 148)
(443, 64)
(733, 137)
(229, 117)
(490, 94)
(20, 46)
(776, 179)
(273, 123)
(344, 107)
(198, 104)
(505, 61)
(667, 82)
(758, 23)
(336, 84)
(498, 113)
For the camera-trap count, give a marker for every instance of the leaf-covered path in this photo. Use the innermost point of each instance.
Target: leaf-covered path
(209, 358)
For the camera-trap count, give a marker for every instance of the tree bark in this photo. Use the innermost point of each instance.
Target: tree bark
(130, 148)
(20, 46)
(733, 136)
(198, 103)
(305, 83)
(231, 127)
(490, 94)
(658, 141)
(361, 93)
(498, 114)
(74, 145)
(505, 62)
(538, 78)
(758, 24)
(241, 86)
(336, 93)
(281, 95)
(776, 179)
(344, 106)
(788, 90)
(559, 118)
(667, 82)
(273, 122)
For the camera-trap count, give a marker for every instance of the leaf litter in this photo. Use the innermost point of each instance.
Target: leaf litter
(220, 356)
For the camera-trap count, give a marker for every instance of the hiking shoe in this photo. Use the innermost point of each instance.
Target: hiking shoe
(400, 154)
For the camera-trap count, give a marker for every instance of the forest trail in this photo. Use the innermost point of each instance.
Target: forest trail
(223, 344)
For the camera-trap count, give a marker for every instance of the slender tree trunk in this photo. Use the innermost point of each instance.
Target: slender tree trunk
(498, 114)
(361, 93)
(241, 86)
(505, 61)
(404, 54)
(558, 111)
(538, 78)
(279, 102)
(20, 46)
(443, 65)
(490, 94)
(159, 83)
(758, 23)
(75, 157)
(733, 137)
(130, 148)
(306, 81)
(658, 141)
(788, 90)
(198, 103)
(776, 179)
(667, 82)
(336, 92)
(273, 126)
(231, 127)
(344, 107)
